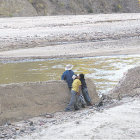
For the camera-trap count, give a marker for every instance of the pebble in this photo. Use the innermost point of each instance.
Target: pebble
(77, 122)
(32, 129)
(31, 123)
(2, 136)
(49, 116)
(22, 130)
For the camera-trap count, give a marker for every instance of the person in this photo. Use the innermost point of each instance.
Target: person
(81, 101)
(75, 91)
(67, 75)
(85, 90)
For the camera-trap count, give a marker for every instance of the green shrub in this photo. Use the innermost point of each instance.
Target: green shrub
(90, 10)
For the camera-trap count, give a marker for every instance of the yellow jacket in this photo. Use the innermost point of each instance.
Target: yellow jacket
(76, 84)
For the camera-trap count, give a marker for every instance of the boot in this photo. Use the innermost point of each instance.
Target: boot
(83, 106)
(76, 107)
(89, 104)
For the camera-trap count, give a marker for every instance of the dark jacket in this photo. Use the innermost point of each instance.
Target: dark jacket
(84, 85)
(67, 76)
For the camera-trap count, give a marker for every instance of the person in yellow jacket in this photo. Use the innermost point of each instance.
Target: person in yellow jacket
(76, 87)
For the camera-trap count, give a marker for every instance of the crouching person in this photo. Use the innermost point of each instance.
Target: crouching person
(75, 91)
(85, 90)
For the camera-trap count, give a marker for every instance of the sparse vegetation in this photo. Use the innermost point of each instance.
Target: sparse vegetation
(119, 6)
(10, 15)
(62, 7)
(90, 10)
(40, 6)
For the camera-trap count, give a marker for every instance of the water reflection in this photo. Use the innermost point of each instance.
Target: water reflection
(105, 71)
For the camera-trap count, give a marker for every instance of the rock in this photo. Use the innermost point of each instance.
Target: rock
(49, 115)
(32, 128)
(77, 122)
(37, 98)
(16, 128)
(129, 85)
(2, 136)
(31, 123)
(22, 130)
(14, 137)
(8, 123)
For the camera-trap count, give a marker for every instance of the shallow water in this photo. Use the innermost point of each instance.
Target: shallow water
(105, 71)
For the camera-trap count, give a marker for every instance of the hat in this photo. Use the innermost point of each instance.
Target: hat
(74, 76)
(68, 67)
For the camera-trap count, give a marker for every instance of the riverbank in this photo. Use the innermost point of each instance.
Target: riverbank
(114, 120)
(69, 36)
(88, 49)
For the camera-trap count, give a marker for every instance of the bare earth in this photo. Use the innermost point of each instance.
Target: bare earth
(117, 121)
(70, 36)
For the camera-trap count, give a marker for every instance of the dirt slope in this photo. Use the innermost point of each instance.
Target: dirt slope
(11, 8)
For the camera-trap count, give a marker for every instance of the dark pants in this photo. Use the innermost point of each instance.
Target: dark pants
(86, 95)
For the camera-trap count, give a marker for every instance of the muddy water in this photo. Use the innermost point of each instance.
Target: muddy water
(105, 71)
